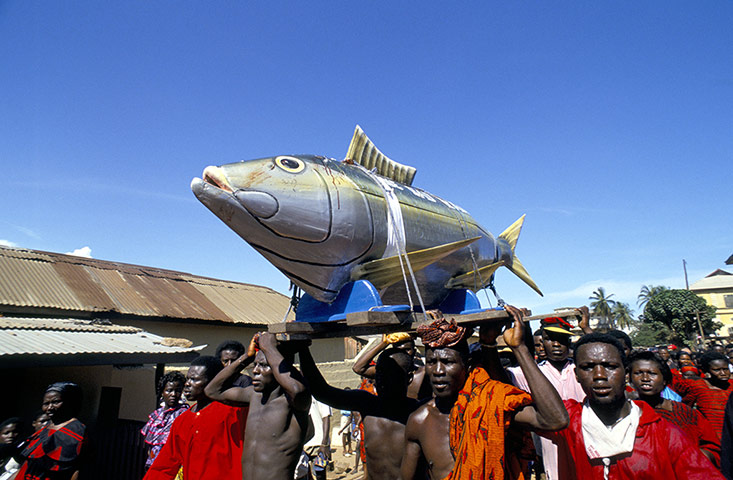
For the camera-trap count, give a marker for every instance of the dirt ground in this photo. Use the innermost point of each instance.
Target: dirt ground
(344, 466)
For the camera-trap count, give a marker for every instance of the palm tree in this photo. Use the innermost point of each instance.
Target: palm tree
(647, 293)
(601, 305)
(622, 314)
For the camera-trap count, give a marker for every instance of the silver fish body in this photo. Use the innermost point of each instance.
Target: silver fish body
(319, 220)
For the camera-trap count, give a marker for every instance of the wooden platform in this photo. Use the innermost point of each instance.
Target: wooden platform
(377, 323)
(372, 323)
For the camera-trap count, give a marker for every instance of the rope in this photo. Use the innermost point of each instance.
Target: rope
(398, 227)
(499, 301)
(464, 226)
(294, 300)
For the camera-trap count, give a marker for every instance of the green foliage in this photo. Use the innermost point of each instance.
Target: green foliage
(648, 292)
(601, 305)
(623, 316)
(650, 334)
(676, 310)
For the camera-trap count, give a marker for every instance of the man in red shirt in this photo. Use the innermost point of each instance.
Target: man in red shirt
(207, 439)
(612, 438)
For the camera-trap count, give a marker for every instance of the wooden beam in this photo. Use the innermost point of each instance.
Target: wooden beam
(374, 323)
(561, 313)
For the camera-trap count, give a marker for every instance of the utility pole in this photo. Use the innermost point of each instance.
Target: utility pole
(697, 313)
(684, 267)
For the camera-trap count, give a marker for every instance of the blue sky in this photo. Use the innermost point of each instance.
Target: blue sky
(609, 124)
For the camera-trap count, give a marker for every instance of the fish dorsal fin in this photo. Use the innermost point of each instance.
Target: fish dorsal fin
(386, 271)
(363, 152)
(471, 281)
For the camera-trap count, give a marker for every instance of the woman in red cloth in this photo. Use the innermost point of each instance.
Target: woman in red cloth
(53, 452)
(709, 395)
(649, 374)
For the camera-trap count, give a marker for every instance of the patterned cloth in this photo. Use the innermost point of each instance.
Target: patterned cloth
(478, 424)
(709, 401)
(158, 428)
(52, 454)
(369, 387)
(695, 425)
(440, 333)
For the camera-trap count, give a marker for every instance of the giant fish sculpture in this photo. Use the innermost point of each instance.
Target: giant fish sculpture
(324, 223)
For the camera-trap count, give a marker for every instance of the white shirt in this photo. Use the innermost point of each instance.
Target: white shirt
(318, 413)
(567, 386)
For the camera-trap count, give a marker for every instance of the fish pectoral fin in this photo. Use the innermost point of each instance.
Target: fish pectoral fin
(518, 269)
(386, 271)
(475, 279)
(511, 234)
(363, 152)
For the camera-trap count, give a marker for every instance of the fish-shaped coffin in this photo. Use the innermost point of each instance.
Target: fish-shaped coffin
(324, 223)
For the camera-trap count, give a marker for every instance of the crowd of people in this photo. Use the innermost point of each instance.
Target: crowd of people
(540, 406)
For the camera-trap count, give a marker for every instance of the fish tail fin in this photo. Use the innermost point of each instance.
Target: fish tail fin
(518, 269)
(511, 235)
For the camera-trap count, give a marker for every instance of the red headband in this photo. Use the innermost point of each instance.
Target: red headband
(549, 321)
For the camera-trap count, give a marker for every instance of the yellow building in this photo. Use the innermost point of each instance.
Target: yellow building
(717, 290)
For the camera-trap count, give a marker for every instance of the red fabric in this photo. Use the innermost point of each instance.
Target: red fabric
(207, 443)
(52, 454)
(709, 401)
(661, 452)
(695, 425)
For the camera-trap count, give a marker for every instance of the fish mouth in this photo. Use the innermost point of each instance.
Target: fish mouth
(259, 204)
(215, 177)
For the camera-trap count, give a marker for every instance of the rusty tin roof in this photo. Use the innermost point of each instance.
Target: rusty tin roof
(32, 280)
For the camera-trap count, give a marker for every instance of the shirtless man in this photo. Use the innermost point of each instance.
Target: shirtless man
(278, 403)
(419, 387)
(428, 430)
(384, 415)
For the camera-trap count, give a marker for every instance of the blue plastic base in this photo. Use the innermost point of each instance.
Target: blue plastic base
(461, 302)
(359, 296)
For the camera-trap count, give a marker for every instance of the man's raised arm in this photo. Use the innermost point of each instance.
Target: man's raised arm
(362, 367)
(354, 400)
(287, 376)
(547, 411)
(236, 396)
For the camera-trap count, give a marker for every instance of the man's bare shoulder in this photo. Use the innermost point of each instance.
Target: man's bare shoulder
(421, 416)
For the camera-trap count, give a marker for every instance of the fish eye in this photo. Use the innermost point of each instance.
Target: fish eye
(290, 164)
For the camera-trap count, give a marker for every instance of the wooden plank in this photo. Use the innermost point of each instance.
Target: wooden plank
(378, 318)
(471, 319)
(561, 313)
(374, 323)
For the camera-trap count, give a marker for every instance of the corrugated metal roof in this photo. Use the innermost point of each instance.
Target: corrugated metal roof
(65, 336)
(35, 279)
(64, 324)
